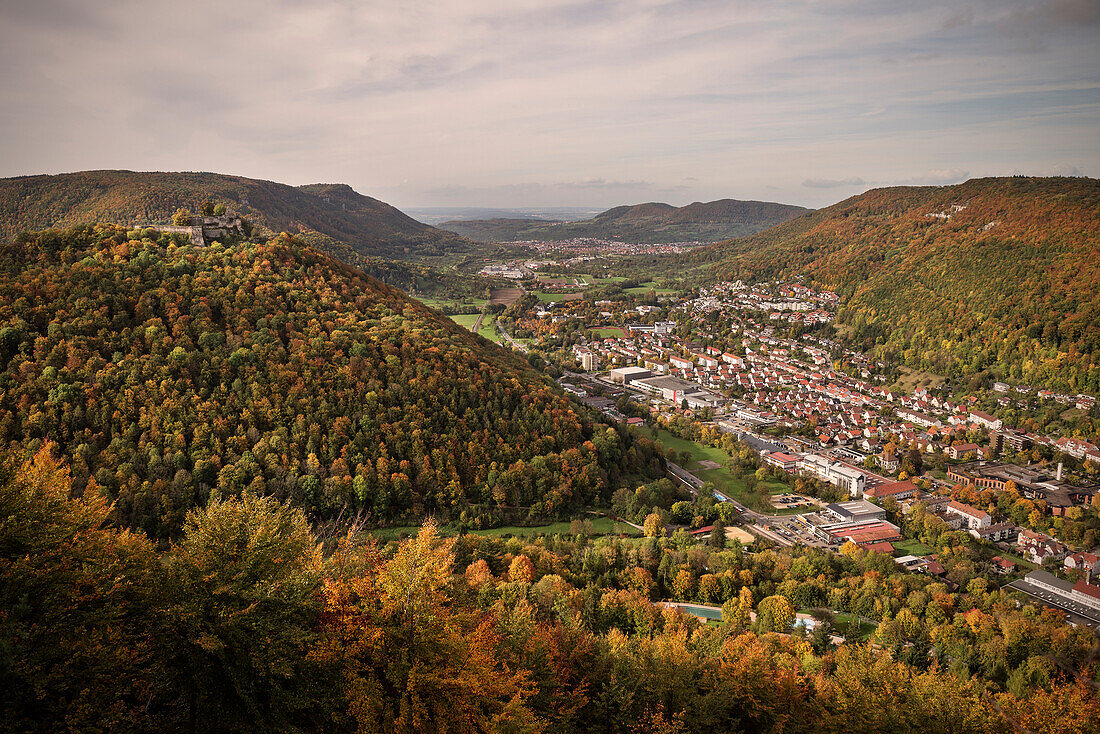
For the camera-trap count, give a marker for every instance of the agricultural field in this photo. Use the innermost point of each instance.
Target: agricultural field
(464, 303)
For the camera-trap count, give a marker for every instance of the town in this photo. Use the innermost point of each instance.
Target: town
(761, 364)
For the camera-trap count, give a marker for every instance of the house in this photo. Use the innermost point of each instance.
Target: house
(875, 535)
(1037, 547)
(1003, 566)
(856, 511)
(1083, 562)
(786, 462)
(838, 474)
(960, 451)
(985, 419)
(627, 375)
(1001, 532)
(972, 517)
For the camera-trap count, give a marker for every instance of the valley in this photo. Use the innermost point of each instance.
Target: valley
(605, 437)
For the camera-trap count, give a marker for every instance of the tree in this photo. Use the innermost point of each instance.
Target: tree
(409, 661)
(81, 603)
(219, 210)
(717, 535)
(774, 614)
(246, 576)
(522, 570)
(207, 209)
(182, 218)
(654, 526)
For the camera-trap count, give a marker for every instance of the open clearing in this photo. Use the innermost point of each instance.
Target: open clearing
(465, 319)
(507, 296)
(911, 379)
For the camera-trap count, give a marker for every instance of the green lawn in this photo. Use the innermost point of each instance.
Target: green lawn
(600, 525)
(606, 331)
(758, 499)
(643, 289)
(548, 297)
(455, 302)
(465, 319)
(844, 619)
(912, 548)
(489, 329)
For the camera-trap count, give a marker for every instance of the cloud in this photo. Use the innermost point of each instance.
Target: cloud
(593, 101)
(832, 183)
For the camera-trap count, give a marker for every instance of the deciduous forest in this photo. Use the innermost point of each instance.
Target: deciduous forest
(164, 373)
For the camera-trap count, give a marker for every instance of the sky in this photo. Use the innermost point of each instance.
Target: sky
(510, 103)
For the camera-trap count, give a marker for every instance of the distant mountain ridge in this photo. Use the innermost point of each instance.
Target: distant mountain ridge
(370, 227)
(1000, 275)
(641, 223)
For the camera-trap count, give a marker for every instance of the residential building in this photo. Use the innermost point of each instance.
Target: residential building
(1083, 561)
(1004, 532)
(972, 517)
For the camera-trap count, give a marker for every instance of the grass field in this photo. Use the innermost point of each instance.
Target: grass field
(465, 319)
(489, 329)
(909, 380)
(843, 621)
(758, 499)
(600, 526)
(606, 331)
(643, 289)
(441, 302)
(550, 297)
(912, 548)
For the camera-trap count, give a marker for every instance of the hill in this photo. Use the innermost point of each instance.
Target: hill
(370, 227)
(997, 274)
(164, 372)
(641, 223)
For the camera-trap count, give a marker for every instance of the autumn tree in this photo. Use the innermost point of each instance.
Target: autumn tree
(245, 575)
(409, 662)
(654, 526)
(80, 605)
(774, 614)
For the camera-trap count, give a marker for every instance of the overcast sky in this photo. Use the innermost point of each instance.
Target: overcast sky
(558, 102)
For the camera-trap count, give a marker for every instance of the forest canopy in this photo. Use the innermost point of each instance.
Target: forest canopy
(164, 372)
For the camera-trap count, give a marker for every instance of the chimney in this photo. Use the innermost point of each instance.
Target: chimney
(1058, 474)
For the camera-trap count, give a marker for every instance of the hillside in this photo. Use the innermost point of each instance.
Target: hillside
(642, 223)
(370, 227)
(998, 274)
(164, 373)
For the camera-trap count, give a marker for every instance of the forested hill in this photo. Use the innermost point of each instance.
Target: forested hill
(163, 372)
(370, 227)
(998, 274)
(641, 223)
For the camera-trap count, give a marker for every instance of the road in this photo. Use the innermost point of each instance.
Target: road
(761, 525)
(508, 337)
